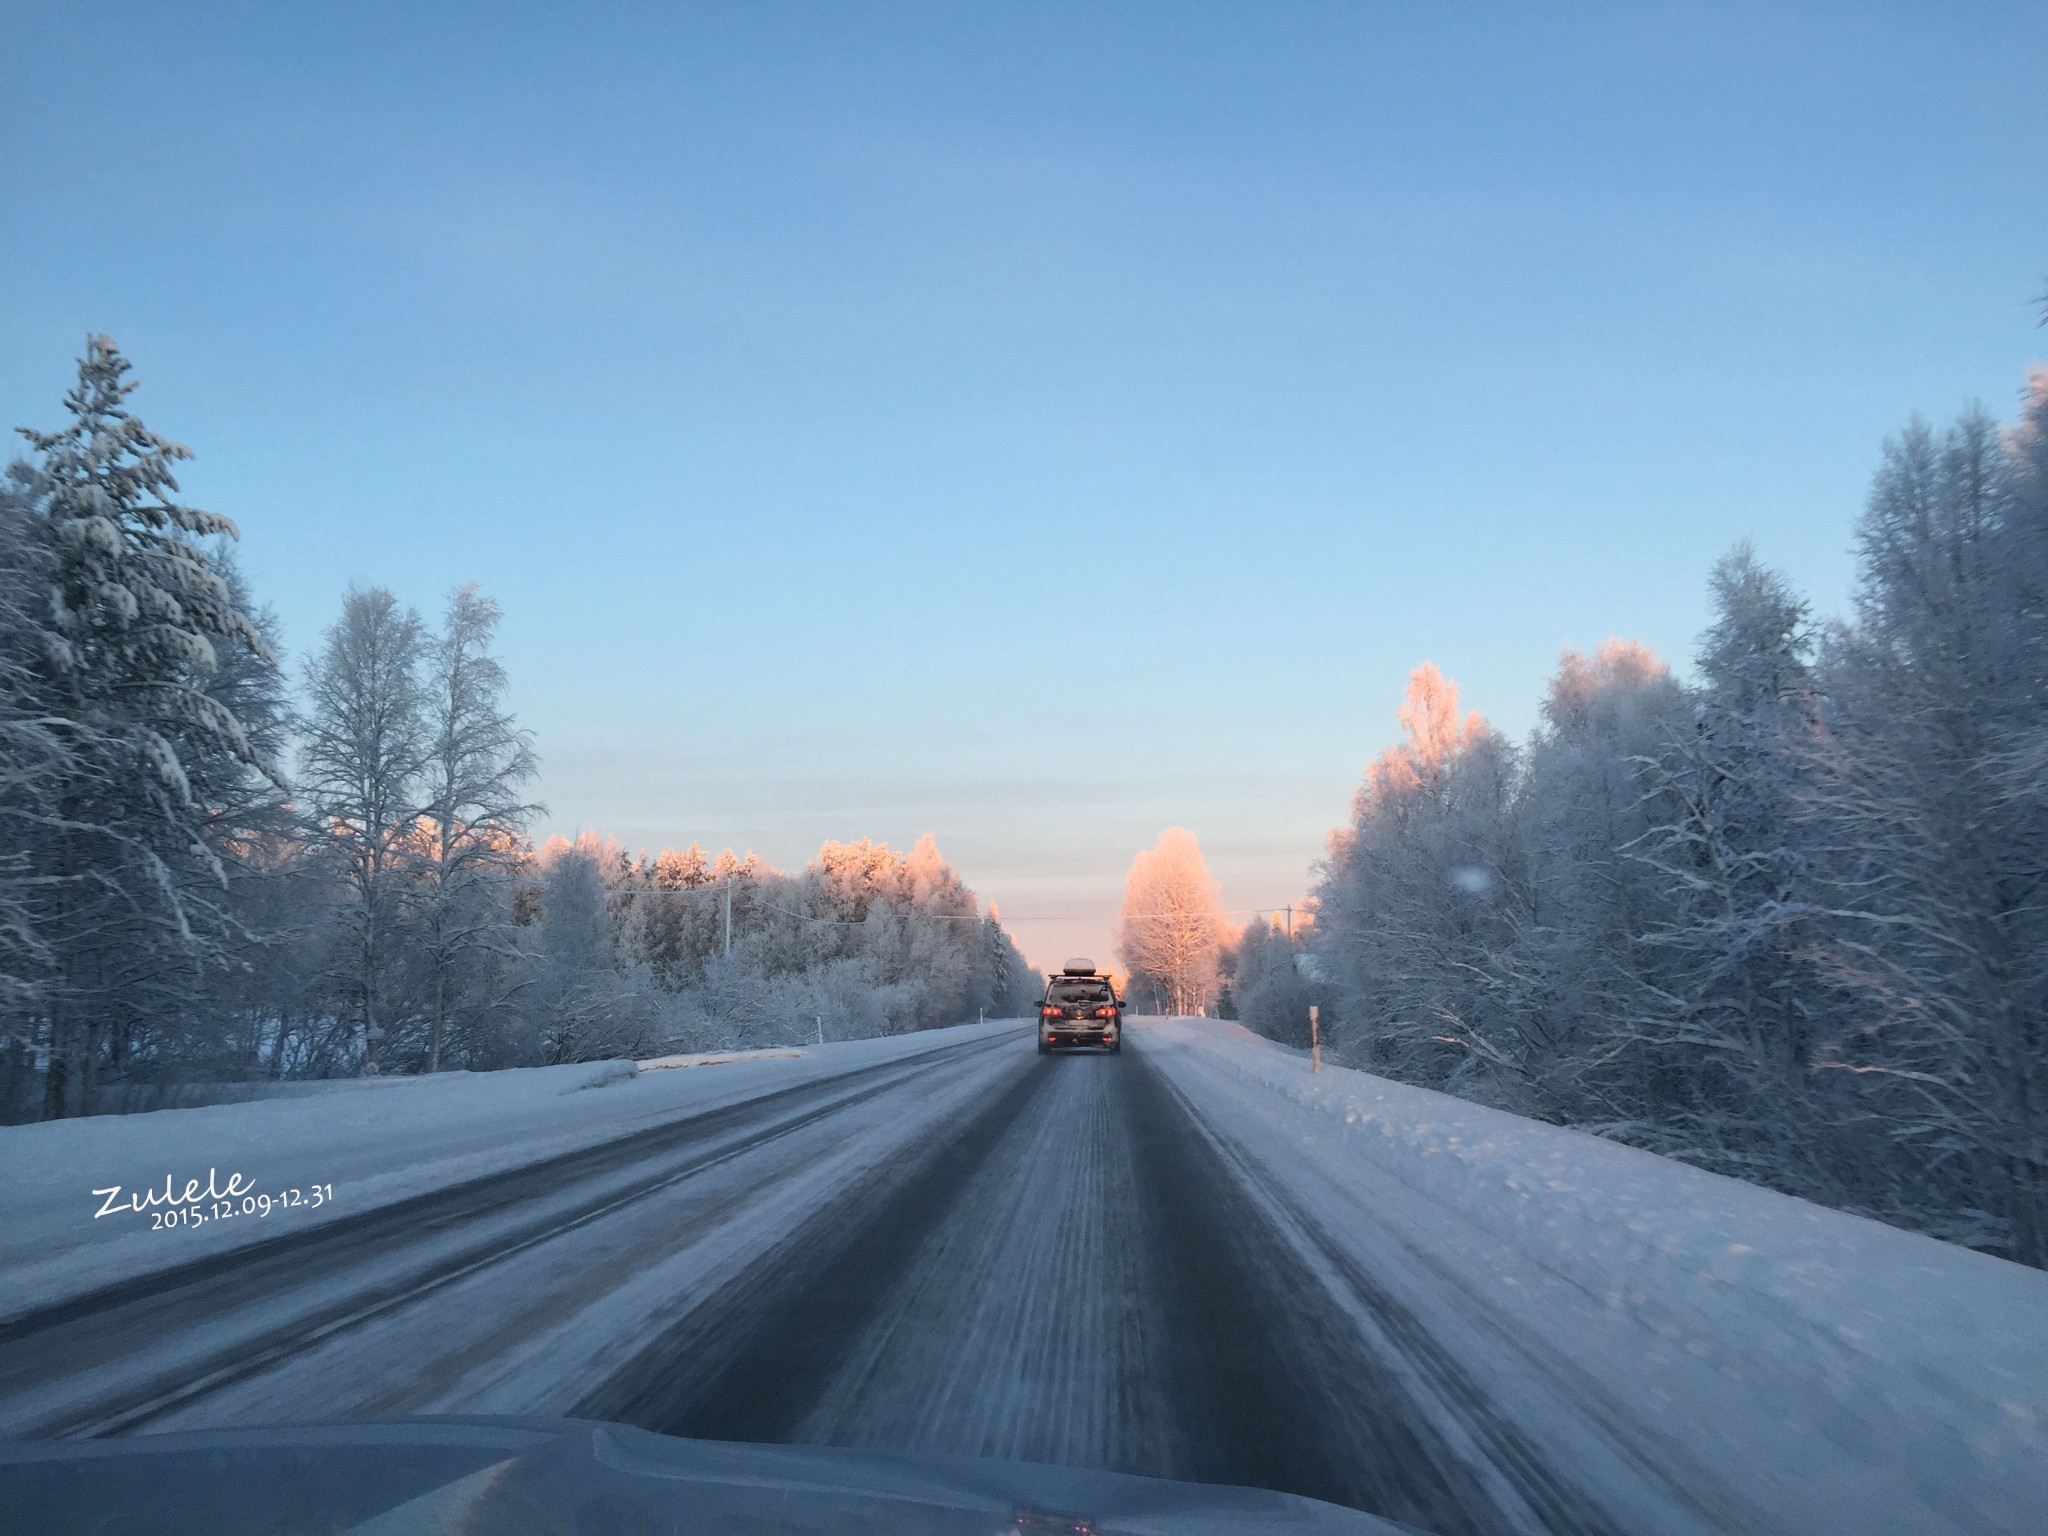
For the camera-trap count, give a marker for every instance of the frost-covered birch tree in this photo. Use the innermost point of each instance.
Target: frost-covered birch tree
(583, 1001)
(1587, 797)
(1407, 909)
(1170, 931)
(472, 835)
(1732, 1050)
(1788, 920)
(1270, 991)
(365, 740)
(1934, 821)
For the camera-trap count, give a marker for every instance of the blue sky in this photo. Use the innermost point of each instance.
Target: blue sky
(1036, 424)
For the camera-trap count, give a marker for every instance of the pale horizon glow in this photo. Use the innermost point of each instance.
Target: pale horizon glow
(839, 401)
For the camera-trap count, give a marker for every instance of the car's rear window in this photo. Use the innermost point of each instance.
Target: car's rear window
(1081, 991)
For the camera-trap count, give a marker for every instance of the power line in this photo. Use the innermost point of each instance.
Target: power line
(758, 905)
(936, 917)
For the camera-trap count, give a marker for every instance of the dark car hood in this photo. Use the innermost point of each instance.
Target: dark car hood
(525, 1476)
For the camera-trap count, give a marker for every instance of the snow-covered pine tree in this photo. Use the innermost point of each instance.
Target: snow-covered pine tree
(999, 955)
(137, 614)
(673, 934)
(249, 823)
(34, 762)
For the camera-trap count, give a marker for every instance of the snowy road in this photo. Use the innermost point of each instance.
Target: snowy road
(1072, 1276)
(1084, 1260)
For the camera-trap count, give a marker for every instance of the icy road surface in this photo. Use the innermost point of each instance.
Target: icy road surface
(1190, 1260)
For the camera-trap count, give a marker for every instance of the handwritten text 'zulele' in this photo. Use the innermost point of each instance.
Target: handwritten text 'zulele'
(194, 1193)
(197, 1204)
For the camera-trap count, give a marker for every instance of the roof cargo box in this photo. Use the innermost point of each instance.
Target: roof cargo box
(1078, 968)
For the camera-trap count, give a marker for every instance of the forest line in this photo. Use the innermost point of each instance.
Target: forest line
(1787, 920)
(212, 871)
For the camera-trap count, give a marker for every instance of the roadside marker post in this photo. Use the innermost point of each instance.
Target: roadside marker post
(1315, 1039)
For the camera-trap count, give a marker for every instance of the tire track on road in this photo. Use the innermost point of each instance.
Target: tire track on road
(1024, 1329)
(1429, 1384)
(1272, 1396)
(750, 1360)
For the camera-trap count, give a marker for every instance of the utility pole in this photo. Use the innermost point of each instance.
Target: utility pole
(1315, 1039)
(728, 914)
(1290, 925)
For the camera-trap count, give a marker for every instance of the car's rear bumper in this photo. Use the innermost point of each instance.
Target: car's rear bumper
(1079, 1037)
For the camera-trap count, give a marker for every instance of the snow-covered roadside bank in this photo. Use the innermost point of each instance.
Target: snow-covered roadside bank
(1642, 1317)
(371, 1143)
